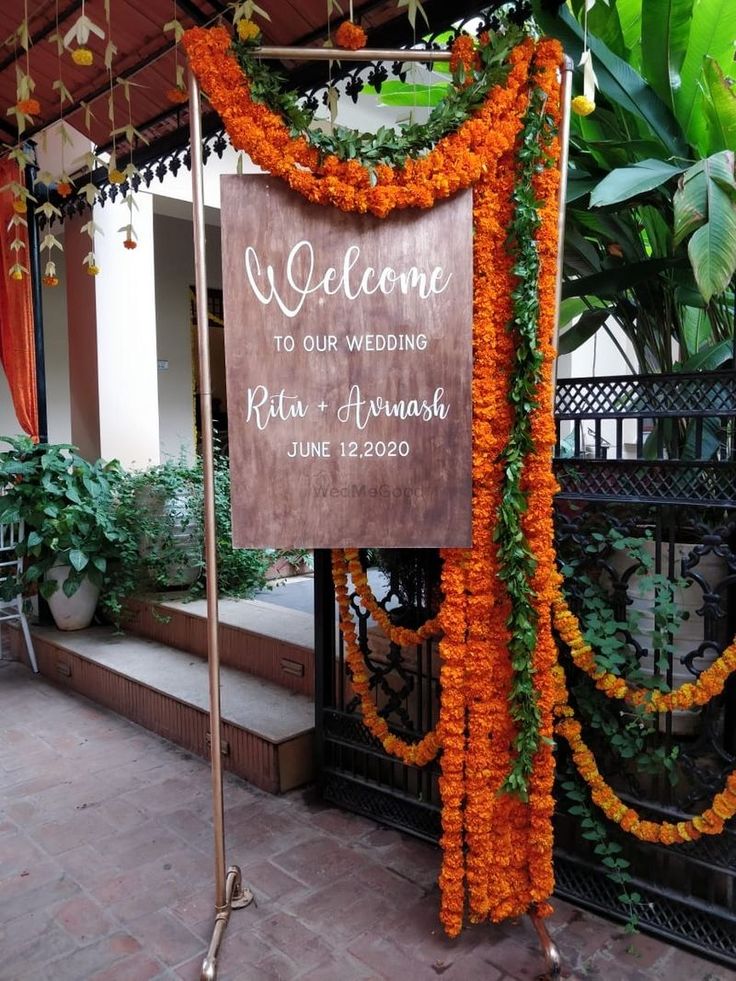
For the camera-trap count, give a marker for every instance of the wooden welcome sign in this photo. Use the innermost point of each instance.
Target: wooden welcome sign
(348, 347)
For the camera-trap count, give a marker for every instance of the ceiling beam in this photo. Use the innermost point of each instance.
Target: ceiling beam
(43, 32)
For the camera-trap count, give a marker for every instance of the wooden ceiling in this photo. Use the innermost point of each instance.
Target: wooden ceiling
(145, 54)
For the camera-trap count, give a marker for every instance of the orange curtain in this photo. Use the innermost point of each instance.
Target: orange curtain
(17, 343)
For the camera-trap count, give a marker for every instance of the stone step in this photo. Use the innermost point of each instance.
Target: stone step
(265, 640)
(268, 731)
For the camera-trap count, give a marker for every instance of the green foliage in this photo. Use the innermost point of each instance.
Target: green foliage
(240, 571)
(627, 733)
(126, 532)
(69, 507)
(666, 114)
(517, 563)
(387, 145)
(607, 851)
(161, 511)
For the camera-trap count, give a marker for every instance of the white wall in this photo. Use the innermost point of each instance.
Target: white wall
(174, 259)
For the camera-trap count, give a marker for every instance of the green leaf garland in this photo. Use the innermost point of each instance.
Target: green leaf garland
(388, 145)
(517, 561)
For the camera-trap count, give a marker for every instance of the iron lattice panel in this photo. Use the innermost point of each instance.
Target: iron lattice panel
(647, 396)
(382, 804)
(703, 484)
(699, 926)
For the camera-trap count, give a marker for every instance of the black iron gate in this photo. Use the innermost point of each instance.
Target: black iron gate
(649, 462)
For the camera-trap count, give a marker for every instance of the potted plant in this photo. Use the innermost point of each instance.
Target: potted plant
(650, 248)
(68, 506)
(161, 510)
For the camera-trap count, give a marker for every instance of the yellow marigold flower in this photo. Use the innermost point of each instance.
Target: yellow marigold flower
(16, 274)
(93, 270)
(582, 105)
(247, 30)
(19, 206)
(115, 176)
(82, 56)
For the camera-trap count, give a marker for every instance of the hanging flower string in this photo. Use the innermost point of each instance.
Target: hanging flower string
(402, 636)
(350, 36)
(416, 754)
(709, 684)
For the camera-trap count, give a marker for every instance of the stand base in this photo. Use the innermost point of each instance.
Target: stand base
(236, 897)
(550, 950)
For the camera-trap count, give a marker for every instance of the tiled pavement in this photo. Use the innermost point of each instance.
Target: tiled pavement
(105, 873)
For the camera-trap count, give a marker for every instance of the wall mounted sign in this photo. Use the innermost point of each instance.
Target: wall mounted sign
(348, 347)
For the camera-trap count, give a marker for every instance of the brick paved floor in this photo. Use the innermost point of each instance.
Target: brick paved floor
(105, 873)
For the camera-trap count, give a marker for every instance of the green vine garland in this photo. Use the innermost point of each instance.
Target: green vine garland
(517, 560)
(386, 146)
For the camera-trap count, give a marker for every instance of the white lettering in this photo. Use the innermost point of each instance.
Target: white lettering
(332, 281)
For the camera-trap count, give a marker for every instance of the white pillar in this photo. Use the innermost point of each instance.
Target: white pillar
(125, 301)
(113, 375)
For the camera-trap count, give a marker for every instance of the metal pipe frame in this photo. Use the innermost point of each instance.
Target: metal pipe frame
(551, 952)
(340, 54)
(229, 891)
(566, 98)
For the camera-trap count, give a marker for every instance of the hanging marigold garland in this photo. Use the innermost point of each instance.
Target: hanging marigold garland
(695, 694)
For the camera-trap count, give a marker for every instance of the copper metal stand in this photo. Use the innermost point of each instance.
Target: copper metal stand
(551, 952)
(230, 893)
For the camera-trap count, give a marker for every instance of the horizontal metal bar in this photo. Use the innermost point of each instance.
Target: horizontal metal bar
(341, 54)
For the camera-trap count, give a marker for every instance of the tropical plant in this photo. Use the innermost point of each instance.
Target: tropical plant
(161, 510)
(651, 218)
(69, 507)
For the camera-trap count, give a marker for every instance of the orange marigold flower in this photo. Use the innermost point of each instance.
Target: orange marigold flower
(177, 95)
(464, 53)
(50, 280)
(130, 243)
(29, 107)
(20, 206)
(350, 36)
(63, 189)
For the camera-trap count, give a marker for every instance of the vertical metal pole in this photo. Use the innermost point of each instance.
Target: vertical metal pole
(324, 649)
(228, 890)
(34, 263)
(565, 98)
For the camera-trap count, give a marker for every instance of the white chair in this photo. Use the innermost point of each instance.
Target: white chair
(10, 565)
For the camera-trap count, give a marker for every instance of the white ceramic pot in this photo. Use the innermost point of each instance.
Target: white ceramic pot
(72, 612)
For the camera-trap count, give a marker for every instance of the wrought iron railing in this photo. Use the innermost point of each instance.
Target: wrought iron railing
(682, 508)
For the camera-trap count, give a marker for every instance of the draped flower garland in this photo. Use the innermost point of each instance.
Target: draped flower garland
(497, 845)
(500, 684)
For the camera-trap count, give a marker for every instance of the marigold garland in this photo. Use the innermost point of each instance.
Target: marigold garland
(402, 636)
(417, 754)
(709, 684)
(710, 822)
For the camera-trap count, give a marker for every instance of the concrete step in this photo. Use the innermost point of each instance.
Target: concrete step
(268, 731)
(265, 640)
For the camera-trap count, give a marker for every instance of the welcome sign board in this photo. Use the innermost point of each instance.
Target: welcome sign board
(348, 349)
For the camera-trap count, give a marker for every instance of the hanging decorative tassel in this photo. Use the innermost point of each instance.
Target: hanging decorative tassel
(584, 104)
